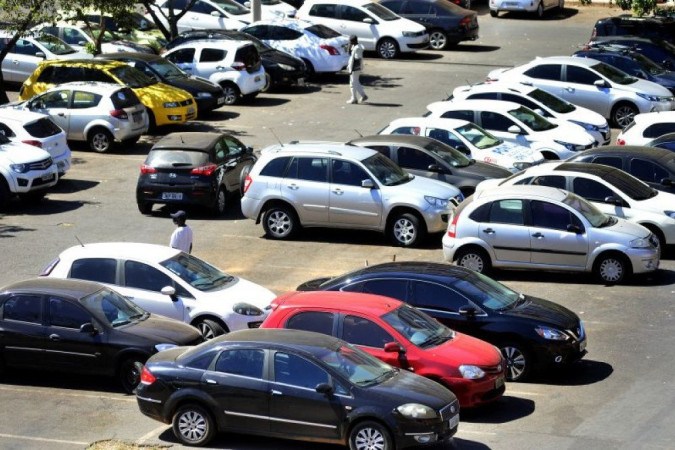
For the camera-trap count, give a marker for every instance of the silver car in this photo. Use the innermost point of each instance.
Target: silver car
(339, 186)
(98, 113)
(539, 227)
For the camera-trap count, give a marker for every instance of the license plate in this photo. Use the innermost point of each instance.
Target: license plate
(301, 81)
(499, 382)
(221, 100)
(453, 422)
(582, 345)
(172, 196)
(47, 177)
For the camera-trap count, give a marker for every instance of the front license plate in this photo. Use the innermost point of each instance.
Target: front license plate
(453, 422)
(221, 100)
(172, 196)
(582, 345)
(499, 382)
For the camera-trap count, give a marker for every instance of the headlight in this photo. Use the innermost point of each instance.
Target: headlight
(670, 214)
(417, 411)
(246, 309)
(204, 95)
(640, 243)
(586, 126)
(569, 146)
(19, 168)
(171, 105)
(551, 334)
(285, 67)
(437, 202)
(652, 98)
(162, 347)
(522, 165)
(409, 34)
(471, 372)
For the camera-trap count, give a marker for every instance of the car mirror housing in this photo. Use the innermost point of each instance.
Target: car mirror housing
(367, 183)
(666, 181)
(369, 21)
(216, 14)
(613, 200)
(573, 228)
(324, 388)
(600, 83)
(170, 291)
(467, 311)
(514, 129)
(393, 347)
(88, 328)
(40, 55)
(435, 168)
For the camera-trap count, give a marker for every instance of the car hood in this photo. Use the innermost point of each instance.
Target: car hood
(421, 186)
(312, 285)
(584, 115)
(481, 170)
(159, 93)
(426, 391)
(20, 153)
(644, 87)
(544, 312)
(630, 229)
(195, 84)
(162, 330)
(464, 349)
(240, 291)
(506, 153)
(566, 132)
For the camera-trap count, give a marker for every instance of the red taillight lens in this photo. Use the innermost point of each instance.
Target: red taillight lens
(206, 170)
(145, 169)
(452, 228)
(247, 182)
(238, 66)
(620, 142)
(147, 377)
(33, 143)
(465, 20)
(330, 49)
(119, 114)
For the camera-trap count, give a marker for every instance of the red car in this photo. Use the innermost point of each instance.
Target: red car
(400, 335)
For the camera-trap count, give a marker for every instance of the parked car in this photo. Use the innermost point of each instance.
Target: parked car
(102, 114)
(376, 27)
(647, 126)
(430, 158)
(654, 166)
(532, 333)
(666, 141)
(165, 104)
(295, 385)
(399, 335)
(78, 36)
(550, 106)
(37, 130)
(659, 51)
(495, 229)
(224, 14)
(235, 66)
(319, 47)
(610, 190)
(625, 24)
(538, 8)
(469, 139)
(591, 84)
(207, 94)
(197, 168)
(132, 27)
(447, 23)
(168, 282)
(92, 329)
(341, 186)
(518, 124)
(29, 51)
(271, 9)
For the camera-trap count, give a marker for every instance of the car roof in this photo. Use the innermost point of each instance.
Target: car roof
(346, 2)
(500, 86)
(598, 170)
(652, 153)
(295, 24)
(306, 340)
(227, 43)
(441, 122)
(195, 140)
(475, 105)
(527, 191)
(348, 151)
(354, 302)
(574, 60)
(140, 251)
(422, 269)
(93, 63)
(55, 286)
(136, 56)
(98, 87)
(397, 139)
(19, 115)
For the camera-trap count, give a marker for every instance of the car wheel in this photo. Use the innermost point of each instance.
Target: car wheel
(100, 140)
(370, 436)
(494, 13)
(517, 361)
(231, 92)
(129, 373)
(387, 48)
(218, 208)
(540, 9)
(309, 68)
(438, 40)
(406, 230)
(242, 179)
(193, 425)
(612, 268)
(210, 329)
(279, 222)
(474, 258)
(144, 207)
(4, 193)
(268, 83)
(623, 114)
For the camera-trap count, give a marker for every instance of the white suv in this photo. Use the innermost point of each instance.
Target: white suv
(234, 65)
(204, 14)
(377, 27)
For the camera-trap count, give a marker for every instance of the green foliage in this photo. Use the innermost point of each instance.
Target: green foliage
(585, 2)
(639, 7)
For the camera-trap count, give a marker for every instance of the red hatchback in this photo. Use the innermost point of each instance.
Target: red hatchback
(400, 335)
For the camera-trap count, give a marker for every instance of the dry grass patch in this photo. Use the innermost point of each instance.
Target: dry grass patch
(111, 444)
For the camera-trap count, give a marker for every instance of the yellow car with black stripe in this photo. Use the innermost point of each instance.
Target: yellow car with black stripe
(166, 104)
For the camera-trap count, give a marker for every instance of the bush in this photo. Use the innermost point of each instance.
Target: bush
(639, 7)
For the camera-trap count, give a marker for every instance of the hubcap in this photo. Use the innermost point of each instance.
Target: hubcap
(230, 95)
(206, 331)
(515, 362)
(404, 231)
(369, 439)
(279, 223)
(624, 116)
(388, 50)
(437, 40)
(192, 426)
(611, 270)
(472, 261)
(100, 142)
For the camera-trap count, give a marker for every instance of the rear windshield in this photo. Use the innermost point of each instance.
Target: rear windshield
(170, 159)
(249, 56)
(232, 7)
(323, 31)
(124, 98)
(381, 12)
(132, 77)
(42, 128)
(557, 104)
(629, 185)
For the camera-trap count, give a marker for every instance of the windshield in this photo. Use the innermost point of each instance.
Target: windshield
(386, 170)
(486, 292)
(232, 7)
(531, 119)
(133, 78)
(54, 44)
(110, 307)
(478, 137)
(613, 74)
(357, 366)
(417, 327)
(380, 11)
(166, 69)
(448, 154)
(586, 209)
(557, 104)
(647, 64)
(197, 273)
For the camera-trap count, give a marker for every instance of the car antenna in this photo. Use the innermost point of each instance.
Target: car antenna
(78, 240)
(358, 132)
(277, 137)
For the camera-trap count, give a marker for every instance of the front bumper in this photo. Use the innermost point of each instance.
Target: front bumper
(644, 260)
(181, 114)
(35, 180)
(413, 44)
(416, 433)
(472, 393)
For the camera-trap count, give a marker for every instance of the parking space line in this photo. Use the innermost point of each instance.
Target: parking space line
(68, 394)
(32, 438)
(152, 434)
(524, 393)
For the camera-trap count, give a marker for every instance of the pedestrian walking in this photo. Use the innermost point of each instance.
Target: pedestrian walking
(181, 238)
(354, 68)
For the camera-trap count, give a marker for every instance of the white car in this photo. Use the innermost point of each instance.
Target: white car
(271, 9)
(609, 189)
(539, 7)
(204, 14)
(516, 123)
(469, 139)
(377, 27)
(39, 130)
(234, 65)
(322, 49)
(592, 84)
(77, 36)
(647, 127)
(552, 107)
(166, 281)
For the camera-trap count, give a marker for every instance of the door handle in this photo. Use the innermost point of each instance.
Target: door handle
(338, 191)
(220, 67)
(538, 235)
(275, 392)
(293, 187)
(54, 337)
(489, 231)
(210, 381)
(61, 114)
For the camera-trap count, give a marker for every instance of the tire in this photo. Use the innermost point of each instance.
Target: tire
(268, 83)
(193, 425)
(152, 122)
(310, 72)
(518, 361)
(100, 140)
(387, 48)
(5, 195)
(623, 113)
(280, 222)
(611, 268)
(406, 230)
(474, 258)
(242, 179)
(494, 13)
(540, 10)
(144, 208)
(209, 329)
(129, 373)
(231, 92)
(370, 435)
(220, 202)
(438, 40)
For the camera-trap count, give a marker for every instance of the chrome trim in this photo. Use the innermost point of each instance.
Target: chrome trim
(420, 434)
(151, 400)
(276, 419)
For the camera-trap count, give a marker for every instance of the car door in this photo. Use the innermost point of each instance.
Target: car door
(498, 125)
(443, 304)
(558, 236)
(209, 60)
(597, 193)
(581, 91)
(21, 61)
(371, 338)
(82, 111)
(184, 58)
(549, 78)
(504, 229)
(349, 202)
(421, 163)
(55, 104)
(352, 23)
(23, 335)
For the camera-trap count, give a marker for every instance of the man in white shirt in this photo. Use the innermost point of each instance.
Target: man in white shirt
(181, 238)
(354, 68)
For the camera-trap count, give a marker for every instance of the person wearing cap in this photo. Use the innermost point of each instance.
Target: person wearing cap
(181, 238)
(354, 68)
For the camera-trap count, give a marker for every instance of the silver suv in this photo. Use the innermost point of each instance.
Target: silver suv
(327, 185)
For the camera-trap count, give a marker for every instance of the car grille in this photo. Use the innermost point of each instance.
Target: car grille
(41, 165)
(449, 410)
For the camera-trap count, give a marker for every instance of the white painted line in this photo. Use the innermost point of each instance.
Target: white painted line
(69, 394)
(463, 431)
(31, 438)
(523, 393)
(151, 434)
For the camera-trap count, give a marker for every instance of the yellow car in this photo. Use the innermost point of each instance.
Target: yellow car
(166, 104)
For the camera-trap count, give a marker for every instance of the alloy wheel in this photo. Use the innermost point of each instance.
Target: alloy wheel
(437, 40)
(516, 363)
(404, 231)
(369, 439)
(100, 142)
(279, 223)
(192, 425)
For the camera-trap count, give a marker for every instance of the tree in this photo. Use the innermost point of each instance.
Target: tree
(170, 18)
(639, 7)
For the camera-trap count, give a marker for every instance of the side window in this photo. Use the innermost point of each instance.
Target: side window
(63, 313)
(24, 47)
(591, 189)
(73, 36)
(310, 169)
(545, 72)
(234, 147)
(555, 181)
(484, 96)
(244, 362)
(507, 211)
(435, 296)
(141, 276)
(481, 214)
(659, 129)
(101, 270)
(259, 31)
(360, 331)
(82, 100)
(221, 151)
(525, 102)
(414, 159)
(494, 121)
(609, 161)
(548, 215)
(319, 322)
(203, 8)
(446, 137)
(275, 168)
(329, 11)
(96, 75)
(394, 5)
(397, 289)
(7, 131)
(47, 75)
(55, 99)
(647, 171)
(524, 181)
(384, 149)
(23, 308)
(297, 371)
(581, 75)
(212, 55)
(352, 14)
(461, 115)
(285, 34)
(182, 56)
(347, 173)
(407, 130)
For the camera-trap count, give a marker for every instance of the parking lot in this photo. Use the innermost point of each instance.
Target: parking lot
(619, 396)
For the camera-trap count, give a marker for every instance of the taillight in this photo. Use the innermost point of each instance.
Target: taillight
(465, 21)
(33, 143)
(119, 114)
(206, 170)
(145, 169)
(452, 227)
(147, 377)
(247, 182)
(620, 142)
(238, 66)
(330, 49)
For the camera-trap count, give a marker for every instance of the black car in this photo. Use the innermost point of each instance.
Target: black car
(198, 168)
(446, 23)
(627, 25)
(666, 141)
(82, 327)
(654, 166)
(281, 68)
(430, 158)
(530, 332)
(661, 52)
(208, 95)
(296, 385)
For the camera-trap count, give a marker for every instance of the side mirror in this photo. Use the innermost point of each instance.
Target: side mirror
(667, 64)
(666, 182)
(514, 129)
(467, 311)
(369, 20)
(393, 347)
(171, 292)
(82, 43)
(540, 112)
(216, 14)
(249, 150)
(324, 388)
(367, 183)
(463, 149)
(88, 328)
(247, 4)
(573, 228)
(614, 200)
(40, 55)
(435, 168)
(600, 83)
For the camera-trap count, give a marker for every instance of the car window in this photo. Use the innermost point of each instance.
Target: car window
(526, 102)
(416, 8)
(477, 136)
(388, 287)
(25, 47)
(212, 55)
(203, 8)
(245, 362)
(322, 31)
(141, 276)
(361, 331)
(581, 75)
(545, 72)
(591, 189)
(613, 161)
(414, 159)
(382, 149)
(323, 10)
(549, 215)
(169, 159)
(352, 14)
(23, 308)
(297, 371)
(434, 296)
(555, 103)
(461, 115)
(276, 167)
(74, 36)
(101, 270)
(484, 96)
(182, 56)
(63, 313)
(347, 173)
(495, 121)
(444, 136)
(42, 128)
(659, 129)
(82, 100)
(310, 169)
(234, 147)
(221, 151)
(507, 211)
(285, 34)
(317, 321)
(555, 181)
(407, 130)
(55, 99)
(647, 171)
(6, 131)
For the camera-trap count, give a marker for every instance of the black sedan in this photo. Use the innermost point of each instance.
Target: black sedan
(198, 168)
(82, 327)
(430, 158)
(531, 332)
(208, 95)
(666, 141)
(296, 385)
(654, 166)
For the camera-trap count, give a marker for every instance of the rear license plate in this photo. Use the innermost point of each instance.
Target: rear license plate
(499, 382)
(453, 422)
(172, 196)
(221, 100)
